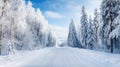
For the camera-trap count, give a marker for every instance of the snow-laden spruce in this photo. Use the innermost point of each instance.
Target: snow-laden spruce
(116, 34)
(83, 28)
(96, 24)
(109, 11)
(22, 27)
(72, 39)
(91, 41)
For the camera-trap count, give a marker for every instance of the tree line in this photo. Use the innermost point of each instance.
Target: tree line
(23, 27)
(100, 33)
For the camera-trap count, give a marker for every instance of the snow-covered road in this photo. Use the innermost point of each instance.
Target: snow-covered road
(63, 57)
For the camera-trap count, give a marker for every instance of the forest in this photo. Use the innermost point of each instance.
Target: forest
(100, 33)
(23, 27)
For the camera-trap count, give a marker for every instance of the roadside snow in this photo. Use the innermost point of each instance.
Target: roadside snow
(61, 57)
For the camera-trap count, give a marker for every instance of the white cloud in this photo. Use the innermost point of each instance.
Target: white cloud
(90, 5)
(53, 15)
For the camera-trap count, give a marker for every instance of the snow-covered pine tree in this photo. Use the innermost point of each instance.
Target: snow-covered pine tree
(32, 22)
(96, 24)
(116, 34)
(1, 7)
(51, 40)
(109, 11)
(83, 28)
(91, 41)
(72, 39)
(5, 24)
(19, 26)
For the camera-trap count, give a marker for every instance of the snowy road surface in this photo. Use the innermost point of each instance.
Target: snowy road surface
(61, 57)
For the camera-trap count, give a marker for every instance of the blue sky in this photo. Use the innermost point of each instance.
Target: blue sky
(59, 12)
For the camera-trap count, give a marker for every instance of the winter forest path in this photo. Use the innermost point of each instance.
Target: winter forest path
(64, 57)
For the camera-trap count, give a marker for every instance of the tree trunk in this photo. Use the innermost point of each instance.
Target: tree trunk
(111, 45)
(2, 14)
(0, 49)
(111, 29)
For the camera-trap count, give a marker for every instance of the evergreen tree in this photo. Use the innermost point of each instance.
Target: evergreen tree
(83, 28)
(91, 42)
(72, 36)
(5, 25)
(96, 24)
(1, 11)
(109, 11)
(116, 34)
(51, 40)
